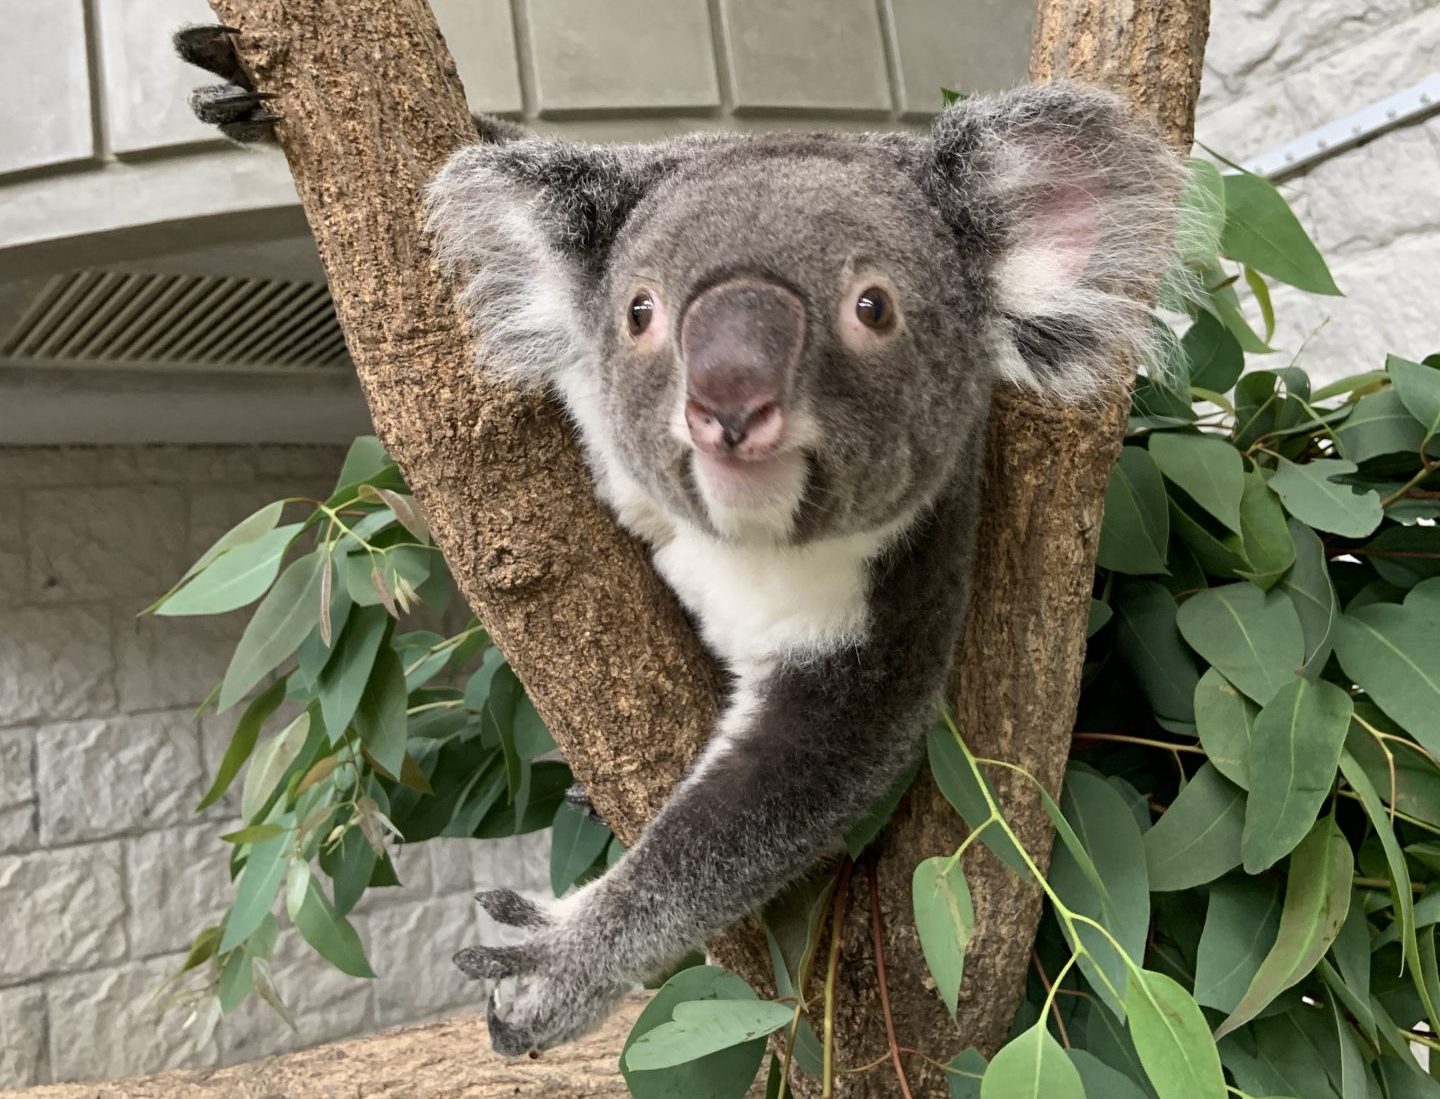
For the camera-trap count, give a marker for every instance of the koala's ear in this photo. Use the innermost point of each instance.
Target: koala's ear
(527, 224)
(1072, 202)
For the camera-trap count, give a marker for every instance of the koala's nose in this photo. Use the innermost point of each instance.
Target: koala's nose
(741, 341)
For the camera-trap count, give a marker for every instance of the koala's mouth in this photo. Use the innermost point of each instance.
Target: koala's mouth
(744, 495)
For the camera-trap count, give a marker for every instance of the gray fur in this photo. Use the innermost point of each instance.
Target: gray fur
(551, 240)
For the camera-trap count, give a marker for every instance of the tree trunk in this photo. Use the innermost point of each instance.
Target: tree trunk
(370, 106)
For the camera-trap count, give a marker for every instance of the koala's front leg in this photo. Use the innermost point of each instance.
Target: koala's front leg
(803, 751)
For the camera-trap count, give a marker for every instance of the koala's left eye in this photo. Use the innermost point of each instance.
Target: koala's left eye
(640, 312)
(875, 309)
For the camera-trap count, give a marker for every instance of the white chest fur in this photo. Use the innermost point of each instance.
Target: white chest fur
(757, 602)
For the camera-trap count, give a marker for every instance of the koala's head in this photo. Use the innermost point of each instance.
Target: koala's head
(792, 337)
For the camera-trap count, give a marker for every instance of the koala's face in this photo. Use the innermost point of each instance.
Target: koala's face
(789, 338)
(790, 345)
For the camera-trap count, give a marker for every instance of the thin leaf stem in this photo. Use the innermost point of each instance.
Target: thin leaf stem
(877, 935)
(837, 935)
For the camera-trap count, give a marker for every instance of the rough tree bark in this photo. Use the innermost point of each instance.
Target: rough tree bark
(370, 105)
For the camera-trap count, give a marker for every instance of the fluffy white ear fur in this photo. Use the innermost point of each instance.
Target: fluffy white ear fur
(1089, 197)
(522, 292)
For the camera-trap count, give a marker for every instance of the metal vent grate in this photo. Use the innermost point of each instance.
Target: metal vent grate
(126, 319)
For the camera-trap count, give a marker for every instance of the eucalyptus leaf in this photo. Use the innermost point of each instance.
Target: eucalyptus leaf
(1294, 754)
(1197, 839)
(1136, 526)
(944, 920)
(1310, 588)
(1311, 494)
(1208, 468)
(1032, 1066)
(1262, 232)
(1317, 900)
(1418, 387)
(1146, 633)
(1241, 923)
(236, 577)
(1224, 721)
(1380, 425)
(280, 623)
(1173, 1039)
(1253, 637)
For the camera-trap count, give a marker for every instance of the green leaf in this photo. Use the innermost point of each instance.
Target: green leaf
(236, 577)
(531, 737)
(242, 741)
(1208, 469)
(1222, 301)
(1418, 387)
(1173, 1039)
(699, 1028)
(1267, 546)
(724, 1074)
(1380, 424)
(271, 763)
(280, 623)
(1309, 587)
(1404, 556)
(1197, 839)
(1106, 828)
(578, 839)
(342, 680)
(1393, 653)
(247, 530)
(1099, 616)
(1101, 1081)
(1402, 896)
(1295, 751)
(1032, 1066)
(1224, 721)
(965, 1072)
(365, 458)
(1136, 526)
(1317, 900)
(380, 717)
(945, 920)
(1310, 493)
(1261, 290)
(1240, 928)
(957, 781)
(255, 890)
(1150, 644)
(1213, 355)
(332, 936)
(1253, 637)
(1218, 555)
(1262, 232)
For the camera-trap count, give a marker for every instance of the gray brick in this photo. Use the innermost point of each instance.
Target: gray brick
(64, 910)
(14, 575)
(57, 664)
(452, 866)
(826, 56)
(102, 777)
(54, 466)
(177, 882)
(105, 1024)
(410, 947)
(104, 543)
(213, 511)
(171, 662)
(17, 790)
(312, 466)
(22, 1036)
(195, 465)
(624, 53)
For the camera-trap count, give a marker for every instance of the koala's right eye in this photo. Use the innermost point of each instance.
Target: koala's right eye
(641, 312)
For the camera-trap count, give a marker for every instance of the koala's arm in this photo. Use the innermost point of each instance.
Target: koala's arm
(801, 753)
(242, 113)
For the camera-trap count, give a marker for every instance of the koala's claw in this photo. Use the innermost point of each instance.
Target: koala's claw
(212, 47)
(236, 107)
(509, 907)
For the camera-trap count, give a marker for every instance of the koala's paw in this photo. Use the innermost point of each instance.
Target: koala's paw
(235, 107)
(558, 994)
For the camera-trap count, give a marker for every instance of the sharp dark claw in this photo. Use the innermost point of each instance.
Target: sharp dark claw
(483, 963)
(212, 48)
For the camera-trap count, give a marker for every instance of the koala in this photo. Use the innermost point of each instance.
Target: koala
(778, 353)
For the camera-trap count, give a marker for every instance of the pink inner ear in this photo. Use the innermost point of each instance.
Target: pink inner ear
(1067, 224)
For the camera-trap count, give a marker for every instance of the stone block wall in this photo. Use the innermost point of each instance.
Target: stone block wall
(105, 872)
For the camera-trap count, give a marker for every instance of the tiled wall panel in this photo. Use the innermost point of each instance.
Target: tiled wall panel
(481, 35)
(978, 45)
(145, 87)
(43, 60)
(801, 55)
